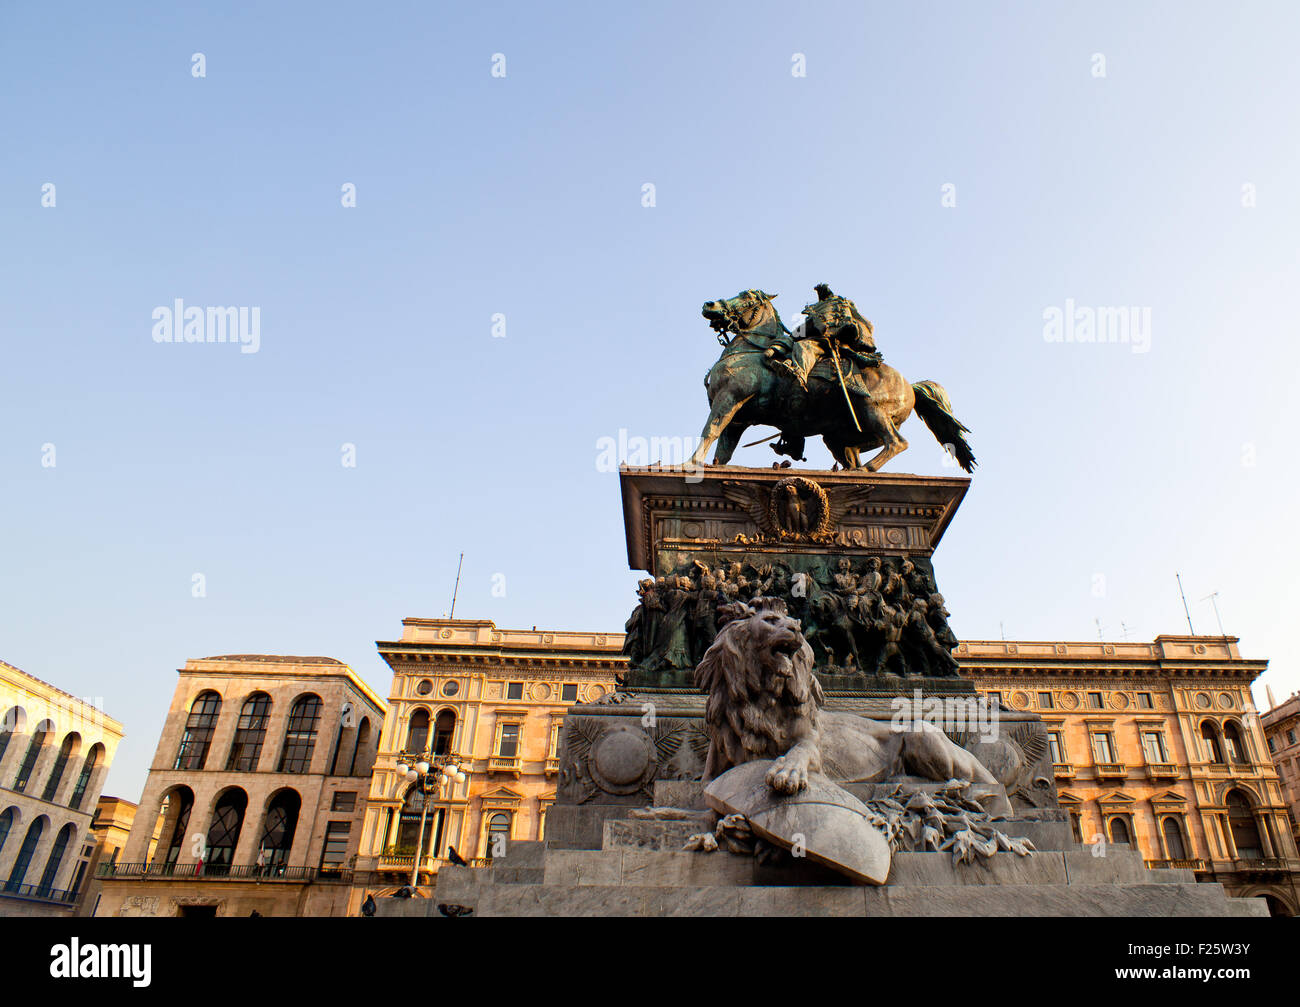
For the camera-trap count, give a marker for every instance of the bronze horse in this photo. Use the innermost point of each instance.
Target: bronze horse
(744, 391)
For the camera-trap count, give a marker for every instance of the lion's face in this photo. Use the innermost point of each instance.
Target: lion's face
(775, 640)
(761, 651)
(762, 692)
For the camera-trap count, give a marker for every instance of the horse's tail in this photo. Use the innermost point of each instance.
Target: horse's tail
(933, 407)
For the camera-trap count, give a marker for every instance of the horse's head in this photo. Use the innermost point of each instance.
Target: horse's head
(742, 313)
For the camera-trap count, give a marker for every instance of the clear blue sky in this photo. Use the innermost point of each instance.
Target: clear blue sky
(522, 195)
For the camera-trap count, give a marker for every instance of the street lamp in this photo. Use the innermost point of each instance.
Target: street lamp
(431, 774)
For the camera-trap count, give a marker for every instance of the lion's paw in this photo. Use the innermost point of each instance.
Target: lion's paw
(704, 842)
(787, 776)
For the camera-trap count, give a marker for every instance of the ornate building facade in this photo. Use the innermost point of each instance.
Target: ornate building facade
(1282, 730)
(495, 698)
(1157, 745)
(254, 801)
(55, 750)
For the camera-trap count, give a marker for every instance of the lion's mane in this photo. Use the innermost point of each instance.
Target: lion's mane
(763, 697)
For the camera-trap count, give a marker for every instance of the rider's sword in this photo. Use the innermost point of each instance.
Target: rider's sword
(835, 357)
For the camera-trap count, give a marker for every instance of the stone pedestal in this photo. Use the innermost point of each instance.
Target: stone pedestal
(846, 547)
(849, 552)
(822, 541)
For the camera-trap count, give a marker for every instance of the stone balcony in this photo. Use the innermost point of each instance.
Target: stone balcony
(215, 872)
(503, 764)
(1162, 771)
(1111, 770)
(1063, 770)
(1190, 865)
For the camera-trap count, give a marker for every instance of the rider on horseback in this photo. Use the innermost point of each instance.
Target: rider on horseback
(834, 326)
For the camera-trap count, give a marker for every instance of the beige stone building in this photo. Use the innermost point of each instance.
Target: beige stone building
(1158, 745)
(1282, 730)
(495, 697)
(256, 795)
(55, 750)
(111, 827)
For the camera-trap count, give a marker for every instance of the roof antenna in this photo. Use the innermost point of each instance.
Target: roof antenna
(1212, 598)
(1124, 630)
(1184, 597)
(456, 590)
(1003, 630)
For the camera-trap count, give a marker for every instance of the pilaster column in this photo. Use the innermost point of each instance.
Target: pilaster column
(1265, 834)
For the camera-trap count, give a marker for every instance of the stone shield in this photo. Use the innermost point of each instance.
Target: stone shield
(828, 823)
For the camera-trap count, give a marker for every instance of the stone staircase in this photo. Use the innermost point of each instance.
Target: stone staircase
(641, 870)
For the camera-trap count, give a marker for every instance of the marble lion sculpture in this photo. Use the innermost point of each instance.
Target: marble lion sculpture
(764, 702)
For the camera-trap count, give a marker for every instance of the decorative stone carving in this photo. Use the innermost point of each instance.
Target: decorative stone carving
(622, 757)
(865, 617)
(794, 509)
(764, 702)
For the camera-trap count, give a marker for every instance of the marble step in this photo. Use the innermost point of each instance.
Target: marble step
(1181, 900)
(676, 869)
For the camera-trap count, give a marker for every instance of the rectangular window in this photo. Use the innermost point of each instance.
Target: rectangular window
(1101, 747)
(515, 690)
(569, 693)
(1144, 701)
(1153, 744)
(335, 852)
(509, 741)
(1094, 700)
(1270, 748)
(1290, 737)
(1044, 700)
(344, 800)
(1055, 747)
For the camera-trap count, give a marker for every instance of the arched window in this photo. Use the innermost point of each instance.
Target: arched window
(1174, 838)
(175, 814)
(443, 730)
(250, 732)
(498, 836)
(1119, 831)
(199, 728)
(25, 854)
(1245, 833)
(55, 860)
(8, 728)
(1211, 738)
(223, 833)
(33, 755)
(7, 819)
(277, 835)
(70, 742)
(300, 734)
(1234, 742)
(417, 731)
(360, 749)
(83, 781)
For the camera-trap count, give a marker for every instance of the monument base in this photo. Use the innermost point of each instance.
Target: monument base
(641, 870)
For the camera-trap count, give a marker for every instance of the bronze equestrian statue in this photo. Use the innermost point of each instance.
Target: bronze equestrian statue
(827, 380)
